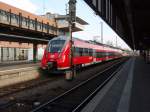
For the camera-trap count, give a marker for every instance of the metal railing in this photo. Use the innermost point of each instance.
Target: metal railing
(8, 18)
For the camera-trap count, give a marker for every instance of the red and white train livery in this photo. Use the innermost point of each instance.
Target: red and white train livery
(57, 54)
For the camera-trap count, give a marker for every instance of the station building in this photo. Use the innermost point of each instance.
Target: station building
(15, 51)
(48, 25)
(63, 24)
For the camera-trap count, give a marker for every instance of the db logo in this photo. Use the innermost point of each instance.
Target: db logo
(52, 56)
(90, 57)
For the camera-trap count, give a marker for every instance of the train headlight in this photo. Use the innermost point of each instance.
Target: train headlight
(63, 58)
(52, 56)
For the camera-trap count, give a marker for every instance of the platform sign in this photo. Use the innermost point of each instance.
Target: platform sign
(72, 10)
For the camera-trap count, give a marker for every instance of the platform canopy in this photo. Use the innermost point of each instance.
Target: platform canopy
(129, 18)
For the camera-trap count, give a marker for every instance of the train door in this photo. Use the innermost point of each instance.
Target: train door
(107, 55)
(94, 56)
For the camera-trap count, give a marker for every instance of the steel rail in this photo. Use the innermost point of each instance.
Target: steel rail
(39, 109)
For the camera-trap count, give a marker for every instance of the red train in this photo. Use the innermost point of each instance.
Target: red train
(57, 54)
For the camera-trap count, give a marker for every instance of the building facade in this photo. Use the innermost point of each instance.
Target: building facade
(15, 51)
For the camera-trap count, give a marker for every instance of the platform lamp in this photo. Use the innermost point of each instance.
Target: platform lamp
(101, 23)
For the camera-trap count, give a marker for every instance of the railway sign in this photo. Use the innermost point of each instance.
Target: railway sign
(72, 10)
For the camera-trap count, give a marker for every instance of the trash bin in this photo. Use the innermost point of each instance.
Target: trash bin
(147, 56)
(69, 75)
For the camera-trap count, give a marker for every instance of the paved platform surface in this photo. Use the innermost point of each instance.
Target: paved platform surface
(17, 65)
(18, 72)
(128, 90)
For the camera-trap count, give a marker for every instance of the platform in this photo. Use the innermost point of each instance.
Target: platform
(17, 65)
(17, 72)
(128, 90)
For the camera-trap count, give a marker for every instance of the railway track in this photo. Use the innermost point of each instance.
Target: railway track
(7, 91)
(76, 98)
(23, 86)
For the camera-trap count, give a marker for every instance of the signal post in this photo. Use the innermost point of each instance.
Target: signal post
(72, 18)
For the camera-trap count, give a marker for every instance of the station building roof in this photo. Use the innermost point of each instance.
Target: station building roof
(78, 19)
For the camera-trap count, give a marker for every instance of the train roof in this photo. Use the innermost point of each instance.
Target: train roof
(97, 43)
(62, 37)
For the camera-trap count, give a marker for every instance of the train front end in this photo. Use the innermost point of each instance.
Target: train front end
(56, 55)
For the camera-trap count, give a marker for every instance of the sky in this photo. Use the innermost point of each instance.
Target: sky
(92, 30)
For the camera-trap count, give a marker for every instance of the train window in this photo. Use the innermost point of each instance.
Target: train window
(56, 45)
(107, 53)
(76, 51)
(81, 51)
(101, 54)
(90, 52)
(111, 54)
(97, 54)
(104, 54)
(86, 52)
(94, 52)
(114, 54)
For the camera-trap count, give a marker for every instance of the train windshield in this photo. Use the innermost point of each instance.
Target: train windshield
(56, 45)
